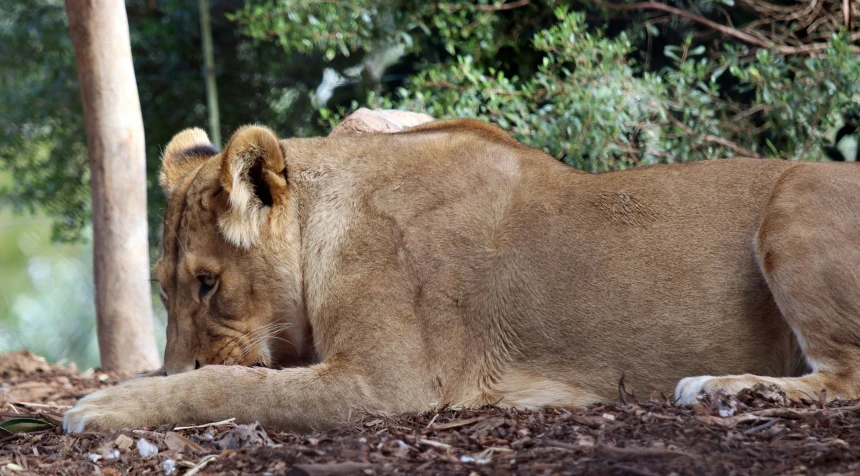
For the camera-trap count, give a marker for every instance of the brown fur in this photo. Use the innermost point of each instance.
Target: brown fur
(451, 265)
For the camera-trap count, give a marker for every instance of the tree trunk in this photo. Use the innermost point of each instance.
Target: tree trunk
(115, 142)
(209, 64)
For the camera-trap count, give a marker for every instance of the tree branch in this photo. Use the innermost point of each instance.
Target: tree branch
(743, 36)
(446, 84)
(503, 6)
(487, 8)
(715, 140)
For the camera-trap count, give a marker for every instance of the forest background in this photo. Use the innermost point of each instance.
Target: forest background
(599, 85)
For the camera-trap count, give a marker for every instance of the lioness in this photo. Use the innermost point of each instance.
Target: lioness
(450, 264)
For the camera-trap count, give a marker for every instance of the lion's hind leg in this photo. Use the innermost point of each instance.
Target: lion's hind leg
(808, 248)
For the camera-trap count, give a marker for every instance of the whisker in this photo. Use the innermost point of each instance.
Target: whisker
(172, 230)
(252, 332)
(272, 334)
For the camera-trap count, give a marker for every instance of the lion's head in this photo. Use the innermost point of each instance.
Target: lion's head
(229, 274)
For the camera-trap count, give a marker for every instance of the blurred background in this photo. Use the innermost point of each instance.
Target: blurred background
(599, 85)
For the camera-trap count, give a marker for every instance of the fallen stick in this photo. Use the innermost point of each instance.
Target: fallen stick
(203, 462)
(42, 405)
(642, 452)
(434, 444)
(329, 468)
(206, 425)
(454, 424)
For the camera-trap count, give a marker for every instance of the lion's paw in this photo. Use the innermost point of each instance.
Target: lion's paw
(688, 390)
(132, 404)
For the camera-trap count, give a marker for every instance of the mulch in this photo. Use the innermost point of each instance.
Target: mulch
(758, 432)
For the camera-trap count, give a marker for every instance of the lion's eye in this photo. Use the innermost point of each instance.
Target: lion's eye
(208, 281)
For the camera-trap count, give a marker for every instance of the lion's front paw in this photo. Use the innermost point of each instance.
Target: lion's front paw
(133, 404)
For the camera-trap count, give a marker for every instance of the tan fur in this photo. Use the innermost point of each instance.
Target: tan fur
(449, 264)
(181, 157)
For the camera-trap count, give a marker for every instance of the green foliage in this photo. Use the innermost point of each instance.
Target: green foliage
(577, 79)
(46, 302)
(556, 79)
(602, 85)
(334, 27)
(40, 116)
(44, 137)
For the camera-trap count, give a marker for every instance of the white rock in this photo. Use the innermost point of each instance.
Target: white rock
(168, 466)
(145, 448)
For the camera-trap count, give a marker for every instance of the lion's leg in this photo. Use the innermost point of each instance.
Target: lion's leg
(301, 399)
(809, 251)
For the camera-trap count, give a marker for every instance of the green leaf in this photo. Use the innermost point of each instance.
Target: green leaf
(25, 425)
(653, 30)
(717, 73)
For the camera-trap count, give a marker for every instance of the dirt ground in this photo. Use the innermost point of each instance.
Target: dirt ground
(758, 433)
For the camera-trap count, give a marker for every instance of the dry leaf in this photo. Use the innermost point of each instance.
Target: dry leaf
(177, 442)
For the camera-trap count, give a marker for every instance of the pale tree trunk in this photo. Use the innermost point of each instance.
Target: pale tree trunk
(115, 143)
(209, 64)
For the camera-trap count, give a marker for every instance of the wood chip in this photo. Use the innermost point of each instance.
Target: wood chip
(175, 441)
(123, 442)
(454, 424)
(329, 469)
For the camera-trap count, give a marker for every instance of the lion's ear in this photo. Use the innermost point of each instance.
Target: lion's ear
(182, 155)
(253, 175)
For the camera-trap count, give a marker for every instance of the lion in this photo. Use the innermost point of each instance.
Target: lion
(449, 264)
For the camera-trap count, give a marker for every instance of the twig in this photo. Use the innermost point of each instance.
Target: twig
(562, 445)
(751, 111)
(783, 50)
(432, 420)
(503, 6)
(454, 424)
(715, 140)
(203, 462)
(800, 413)
(331, 469)
(642, 452)
(217, 423)
(690, 16)
(53, 405)
(446, 84)
(487, 8)
(434, 444)
(763, 426)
